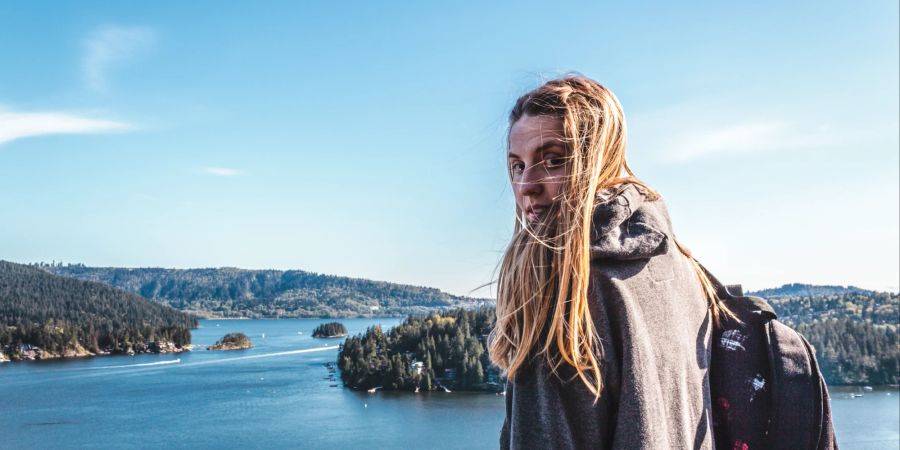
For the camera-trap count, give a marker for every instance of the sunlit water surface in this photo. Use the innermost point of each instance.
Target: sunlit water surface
(277, 395)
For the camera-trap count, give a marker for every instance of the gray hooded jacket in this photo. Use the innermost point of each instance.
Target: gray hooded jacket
(655, 330)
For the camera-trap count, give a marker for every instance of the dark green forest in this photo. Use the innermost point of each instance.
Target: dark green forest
(441, 350)
(330, 329)
(61, 315)
(854, 352)
(230, 292)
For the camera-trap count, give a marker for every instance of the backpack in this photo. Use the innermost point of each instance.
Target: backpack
(766, 388)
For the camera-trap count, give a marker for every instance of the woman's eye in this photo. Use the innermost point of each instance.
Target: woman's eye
(517, 167)
(553, 162)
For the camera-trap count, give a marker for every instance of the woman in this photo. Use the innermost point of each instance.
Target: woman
(603, 319)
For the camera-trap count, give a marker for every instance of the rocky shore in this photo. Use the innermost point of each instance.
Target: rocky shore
(28, 352)
(232, 341)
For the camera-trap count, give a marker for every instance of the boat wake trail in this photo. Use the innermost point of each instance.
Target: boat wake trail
(176, 363)
(264, 355)
(126, 366)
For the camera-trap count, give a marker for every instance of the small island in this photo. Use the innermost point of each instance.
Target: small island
(232, 341)
(330, 330)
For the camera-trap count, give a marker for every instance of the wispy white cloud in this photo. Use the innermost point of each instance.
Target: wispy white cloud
(741, 137)
(16, 125)
(223, 171)
(688, 133)
(110, 46)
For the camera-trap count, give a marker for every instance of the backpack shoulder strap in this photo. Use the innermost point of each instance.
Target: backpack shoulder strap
(797, 402)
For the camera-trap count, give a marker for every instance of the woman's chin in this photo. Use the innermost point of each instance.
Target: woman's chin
(537, 220)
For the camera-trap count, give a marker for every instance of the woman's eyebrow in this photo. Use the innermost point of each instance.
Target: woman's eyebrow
(547, 146)
(540, 149)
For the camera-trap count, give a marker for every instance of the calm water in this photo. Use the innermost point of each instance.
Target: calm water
(277, 395)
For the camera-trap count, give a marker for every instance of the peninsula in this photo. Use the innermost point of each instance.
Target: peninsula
(45, 316)
(442, 351)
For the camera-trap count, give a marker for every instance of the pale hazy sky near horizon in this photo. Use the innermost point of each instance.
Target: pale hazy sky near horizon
(367, 139)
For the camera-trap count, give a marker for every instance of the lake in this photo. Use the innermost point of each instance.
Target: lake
(277, 395)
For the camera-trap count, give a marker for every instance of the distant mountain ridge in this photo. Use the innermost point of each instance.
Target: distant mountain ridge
(812, 290)
(233, 292)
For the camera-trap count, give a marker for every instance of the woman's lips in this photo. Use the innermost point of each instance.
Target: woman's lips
(532, 213)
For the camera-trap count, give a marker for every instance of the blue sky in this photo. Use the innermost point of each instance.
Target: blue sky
(367, 139)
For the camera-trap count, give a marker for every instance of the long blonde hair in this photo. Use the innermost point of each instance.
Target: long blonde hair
(542, 294)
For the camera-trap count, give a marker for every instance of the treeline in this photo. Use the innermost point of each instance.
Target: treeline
(441, 350)
(230, 292)
(855, 352)
(807, 290)
(854, 331)
(855, 335)
(880, 308)
(61, 315)
(330, 329)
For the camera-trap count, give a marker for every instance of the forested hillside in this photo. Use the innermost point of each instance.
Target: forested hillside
(807, 290)
(855, 352)
(66, 317)
(230, 292)
(854, 331)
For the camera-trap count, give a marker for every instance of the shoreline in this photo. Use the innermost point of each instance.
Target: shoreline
(304, 318)
(38, 354)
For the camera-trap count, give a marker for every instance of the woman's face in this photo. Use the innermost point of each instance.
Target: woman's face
(537, 163)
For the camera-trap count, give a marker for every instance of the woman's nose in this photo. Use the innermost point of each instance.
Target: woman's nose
(531, 181)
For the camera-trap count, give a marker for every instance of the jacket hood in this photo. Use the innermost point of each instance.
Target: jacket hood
(627, 226)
